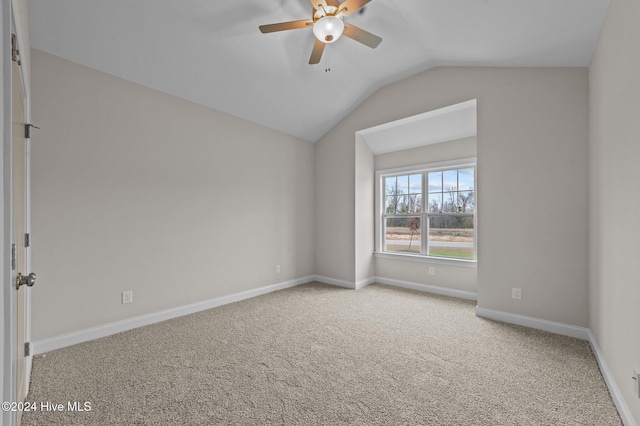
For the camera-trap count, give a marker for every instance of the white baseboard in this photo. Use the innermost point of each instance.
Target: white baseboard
(398, 283)
(333, 281)
(428, 288)
(363, 283)
(537, 323)
(614, 390)
(46, 345)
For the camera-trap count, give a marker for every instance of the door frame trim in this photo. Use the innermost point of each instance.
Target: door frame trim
(8, 297)
(8, 347)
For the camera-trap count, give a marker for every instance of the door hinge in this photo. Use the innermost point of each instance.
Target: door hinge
(27, 130)
(15, 53)
(27, 240)
(13, 257)
(27, 349)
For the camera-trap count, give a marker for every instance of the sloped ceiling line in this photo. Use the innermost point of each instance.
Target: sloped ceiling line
(212, 53)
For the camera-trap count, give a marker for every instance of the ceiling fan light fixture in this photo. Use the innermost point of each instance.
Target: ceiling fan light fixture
(328, 29)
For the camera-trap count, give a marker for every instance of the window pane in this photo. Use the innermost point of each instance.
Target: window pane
(390, 204)
(403, 184)
(415, 184)
(403, 204)
(435, 182)
(403, 235)
(466, 201)
(435, 203)
(399, 204)
(451, 236)
(450, 180)
(465, 179)
(390, 185)
(414, 203)
(450, 202)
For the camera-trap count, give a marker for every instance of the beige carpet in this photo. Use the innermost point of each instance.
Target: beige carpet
(317, 354)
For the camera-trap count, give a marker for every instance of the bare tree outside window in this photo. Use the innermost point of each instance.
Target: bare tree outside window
(414, 226)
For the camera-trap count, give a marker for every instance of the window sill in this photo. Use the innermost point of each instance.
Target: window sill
(428, 259)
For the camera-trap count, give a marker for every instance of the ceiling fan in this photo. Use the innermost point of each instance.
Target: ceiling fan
(328, 26)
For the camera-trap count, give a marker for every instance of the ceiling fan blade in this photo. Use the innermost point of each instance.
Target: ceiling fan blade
(319, 4)
(364, 37)
(282, 26)
(350, 6)
(316, 53)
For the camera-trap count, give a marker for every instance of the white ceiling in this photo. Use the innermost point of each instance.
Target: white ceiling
(212, 53)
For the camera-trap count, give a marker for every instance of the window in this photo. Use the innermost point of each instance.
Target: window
(430, 211)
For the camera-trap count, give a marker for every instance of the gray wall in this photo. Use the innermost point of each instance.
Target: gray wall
(335, 201)
(614, 151)
(364, 217)
(532, 174)
(137, 190)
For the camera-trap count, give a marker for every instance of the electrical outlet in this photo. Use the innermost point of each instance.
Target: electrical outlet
(516, 293)
(432, 270)
(127, 297)
(636, 382)
(277, 269)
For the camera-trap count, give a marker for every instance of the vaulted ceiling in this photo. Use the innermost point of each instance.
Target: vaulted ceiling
(212, 53)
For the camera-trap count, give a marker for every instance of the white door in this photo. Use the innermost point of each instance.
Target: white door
(19, 227)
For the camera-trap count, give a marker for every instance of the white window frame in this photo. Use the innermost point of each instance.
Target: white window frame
(424, 169)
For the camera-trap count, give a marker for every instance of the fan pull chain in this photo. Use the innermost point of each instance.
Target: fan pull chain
(327, 64)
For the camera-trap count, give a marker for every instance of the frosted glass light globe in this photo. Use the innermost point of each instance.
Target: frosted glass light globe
(328, 29)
